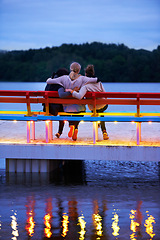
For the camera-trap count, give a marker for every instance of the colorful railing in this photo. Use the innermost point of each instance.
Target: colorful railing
(111, 98)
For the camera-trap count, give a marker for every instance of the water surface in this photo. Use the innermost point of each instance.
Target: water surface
(83, 200)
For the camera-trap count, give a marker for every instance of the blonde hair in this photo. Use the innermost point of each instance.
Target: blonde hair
(75, 67)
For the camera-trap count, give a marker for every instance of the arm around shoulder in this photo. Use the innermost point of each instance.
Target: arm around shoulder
(89, 79)
(58, 80)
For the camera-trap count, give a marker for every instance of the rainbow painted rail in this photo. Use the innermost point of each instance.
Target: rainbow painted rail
(114, 98)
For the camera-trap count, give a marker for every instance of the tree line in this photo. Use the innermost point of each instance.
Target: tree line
(113, 63)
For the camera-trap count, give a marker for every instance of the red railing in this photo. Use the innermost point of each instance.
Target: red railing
(111, 98)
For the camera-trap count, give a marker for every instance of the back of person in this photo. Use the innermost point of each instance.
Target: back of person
(95, 87)
(53, 107)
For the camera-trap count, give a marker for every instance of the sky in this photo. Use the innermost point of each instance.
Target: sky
(34, 24)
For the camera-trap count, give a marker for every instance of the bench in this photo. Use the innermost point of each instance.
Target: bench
(39, 97)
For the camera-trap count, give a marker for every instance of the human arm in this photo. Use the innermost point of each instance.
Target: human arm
(87, 80)
(62, 93)
(58, 80)
(80, 94)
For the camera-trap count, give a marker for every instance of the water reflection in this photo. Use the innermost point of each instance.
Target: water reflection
(30, 223)
(65, 224)
(149, 225)
(82, 224)
(115, 226)
(48, 219)
(60, 206)
(136, 222)
(14, 226)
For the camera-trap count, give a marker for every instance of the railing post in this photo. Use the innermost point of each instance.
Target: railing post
(28, 104)
(28, 131)
(94, 105)
(138, 127)
(95, 132)
(47, 131)
(138, 106)
(50, 130)
(46, 103)
(33, 129)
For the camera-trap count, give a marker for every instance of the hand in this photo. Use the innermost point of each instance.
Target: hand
(76, 89)
(68, 90)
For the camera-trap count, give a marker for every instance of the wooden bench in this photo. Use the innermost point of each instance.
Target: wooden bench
(39, 97)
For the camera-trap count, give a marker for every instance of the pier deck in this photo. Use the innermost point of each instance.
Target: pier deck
(120, 146)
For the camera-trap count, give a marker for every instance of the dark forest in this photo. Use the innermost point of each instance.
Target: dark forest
(113, 63)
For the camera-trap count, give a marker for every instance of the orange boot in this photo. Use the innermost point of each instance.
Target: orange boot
(105, 135)
(74, 137)
(71, 131)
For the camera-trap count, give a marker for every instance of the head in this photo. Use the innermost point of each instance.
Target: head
(75, 67)
(60, 72)
(89, 71)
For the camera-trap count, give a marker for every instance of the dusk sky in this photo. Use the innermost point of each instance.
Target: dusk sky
(34, 24)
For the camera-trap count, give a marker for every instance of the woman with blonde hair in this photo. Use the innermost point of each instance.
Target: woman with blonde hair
(92, 87)
(74, 80)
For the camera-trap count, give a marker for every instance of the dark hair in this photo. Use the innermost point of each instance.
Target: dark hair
(89, 71)
(60, 72)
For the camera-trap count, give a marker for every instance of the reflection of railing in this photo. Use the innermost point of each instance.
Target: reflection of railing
(48, 219)
(149, 225)
(30, 224)
(115, 225)
(82, 224)
(65, 223)
(63, 228)
(14, 226)
(93, 98)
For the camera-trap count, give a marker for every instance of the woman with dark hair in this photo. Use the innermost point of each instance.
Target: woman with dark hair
(54, 108)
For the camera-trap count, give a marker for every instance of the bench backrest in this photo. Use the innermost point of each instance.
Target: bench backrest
(111, 98)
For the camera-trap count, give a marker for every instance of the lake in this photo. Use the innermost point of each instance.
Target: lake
(83, 199)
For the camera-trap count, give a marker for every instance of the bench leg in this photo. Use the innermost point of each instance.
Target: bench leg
(28, 132)
(47, 131)
(95, 132)
(50, 130)
(138, 128)
(33, 129)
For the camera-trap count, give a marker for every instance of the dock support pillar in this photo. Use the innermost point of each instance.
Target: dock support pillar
(30, 165)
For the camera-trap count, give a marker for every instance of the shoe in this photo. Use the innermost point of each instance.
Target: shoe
(105, 136)
(71, 131)
(74, 137)
(57, 135)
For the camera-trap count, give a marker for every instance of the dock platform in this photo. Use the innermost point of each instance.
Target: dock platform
(120, 146)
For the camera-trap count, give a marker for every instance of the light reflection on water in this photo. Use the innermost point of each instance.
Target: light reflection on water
(83, 200)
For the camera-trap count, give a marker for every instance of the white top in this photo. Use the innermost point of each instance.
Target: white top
(66, 82)
(92, 87)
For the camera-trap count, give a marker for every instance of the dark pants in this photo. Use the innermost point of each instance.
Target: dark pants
(102, 123)
(75, 123)
(54, 109)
